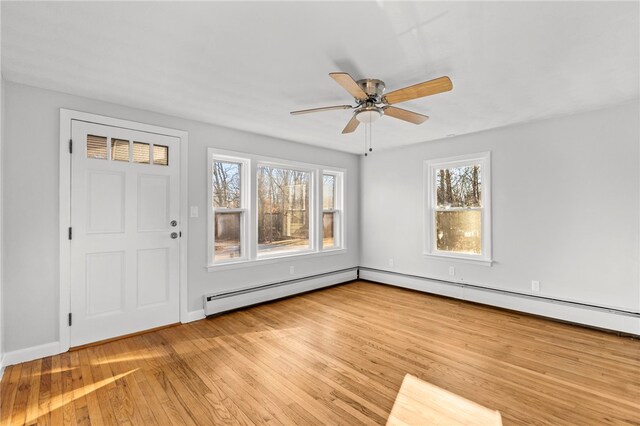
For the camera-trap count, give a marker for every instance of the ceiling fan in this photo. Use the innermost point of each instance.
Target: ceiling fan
(373, 104)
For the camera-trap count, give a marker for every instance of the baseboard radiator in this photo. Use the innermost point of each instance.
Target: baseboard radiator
(216, 303)
(578, 313)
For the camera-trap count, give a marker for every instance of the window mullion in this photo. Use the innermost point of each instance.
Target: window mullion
(251, 234)
(316, 213)
(228, 210)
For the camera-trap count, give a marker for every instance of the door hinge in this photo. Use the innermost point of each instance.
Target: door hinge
(70, 232)
(70, 319)
(70, 146)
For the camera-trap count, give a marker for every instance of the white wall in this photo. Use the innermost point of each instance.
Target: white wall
(30, 213)
(565, 208)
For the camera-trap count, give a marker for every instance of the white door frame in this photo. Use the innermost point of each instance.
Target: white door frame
(66, 116)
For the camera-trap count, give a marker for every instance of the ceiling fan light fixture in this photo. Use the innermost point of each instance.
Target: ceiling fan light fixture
(368, 115)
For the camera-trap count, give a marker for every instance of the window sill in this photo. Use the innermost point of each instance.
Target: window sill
(273, 259)
(465, 259)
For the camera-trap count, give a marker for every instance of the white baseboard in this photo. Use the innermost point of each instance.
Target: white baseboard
(273, 291)
(277, 292)
(195, 316)
(573, 312)
(566, 311)
(48, 349)
(29, 354)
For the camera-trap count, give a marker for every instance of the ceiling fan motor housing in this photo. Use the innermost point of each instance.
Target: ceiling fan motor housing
(373, 88)
(368, 112)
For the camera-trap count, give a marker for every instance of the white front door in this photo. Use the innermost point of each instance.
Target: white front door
(124, 231)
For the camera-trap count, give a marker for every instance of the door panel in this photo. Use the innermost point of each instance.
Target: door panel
(153, 283)
(124, 262)
(105, 201)
(105, 286)
(153, 202)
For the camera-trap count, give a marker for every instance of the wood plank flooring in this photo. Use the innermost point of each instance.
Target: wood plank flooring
(334, 356)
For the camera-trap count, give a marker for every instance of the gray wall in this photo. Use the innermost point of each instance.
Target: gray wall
(1, 204)
(565, 208)
(1, 235)
(30, 213)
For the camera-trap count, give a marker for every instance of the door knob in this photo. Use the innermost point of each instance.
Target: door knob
(174, 235)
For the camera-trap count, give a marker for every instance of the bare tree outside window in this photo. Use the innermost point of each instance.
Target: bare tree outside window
(458, 209)
(283, 209)
(226, 184)
(459, 187)
(227, 196)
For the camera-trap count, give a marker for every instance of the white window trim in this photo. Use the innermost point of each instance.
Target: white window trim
(244, 205)
(249, 238)
(430, 167)
(272, 260)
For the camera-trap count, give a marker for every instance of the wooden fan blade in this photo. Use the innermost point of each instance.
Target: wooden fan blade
(350, 85)
(420, 90)
(403, 114)
(351, 126)
(329, 108)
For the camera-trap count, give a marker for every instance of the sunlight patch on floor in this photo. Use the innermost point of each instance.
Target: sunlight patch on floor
(56, 370)
(70, 396)
(125, 358)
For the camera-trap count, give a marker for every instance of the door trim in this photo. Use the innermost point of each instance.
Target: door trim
(66, 116)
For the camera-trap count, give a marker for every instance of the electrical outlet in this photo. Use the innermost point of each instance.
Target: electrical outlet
(292, 270)
(391, 263)
(535, 286)
(452, 270)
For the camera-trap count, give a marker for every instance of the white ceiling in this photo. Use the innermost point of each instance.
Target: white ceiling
(246, 65)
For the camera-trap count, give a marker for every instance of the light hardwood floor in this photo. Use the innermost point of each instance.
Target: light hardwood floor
(335, 356)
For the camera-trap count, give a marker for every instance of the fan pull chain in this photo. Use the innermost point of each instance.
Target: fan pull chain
(366, 137)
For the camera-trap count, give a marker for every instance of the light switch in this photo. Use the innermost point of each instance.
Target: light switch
(194, 211)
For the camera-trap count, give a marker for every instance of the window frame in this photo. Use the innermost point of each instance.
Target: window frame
(483, 159)
(337, 210)
(299, 167)
(212, 157)
(249, 188)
